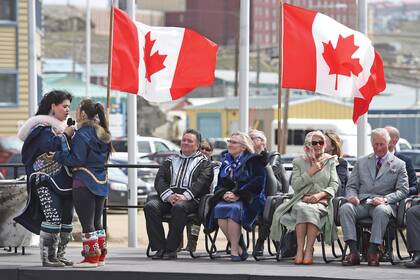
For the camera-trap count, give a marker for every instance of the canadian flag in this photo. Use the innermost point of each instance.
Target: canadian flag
(159, 63)
(324, 56)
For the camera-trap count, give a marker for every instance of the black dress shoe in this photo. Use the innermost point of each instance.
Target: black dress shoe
(414, 263)
(373, 259)
(351, 259)
(259, 248)
(170, 255)
(159, 255)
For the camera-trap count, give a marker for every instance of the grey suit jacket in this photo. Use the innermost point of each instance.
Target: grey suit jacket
(391, 182)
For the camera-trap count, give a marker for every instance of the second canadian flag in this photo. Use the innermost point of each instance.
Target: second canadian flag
(159, 63)
(324, 56)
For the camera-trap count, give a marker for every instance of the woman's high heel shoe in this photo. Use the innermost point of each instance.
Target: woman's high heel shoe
(309, 261)
(298, 260)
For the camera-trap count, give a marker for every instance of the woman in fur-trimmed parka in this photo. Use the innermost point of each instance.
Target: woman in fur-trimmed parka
(90, 149)
(49, 210)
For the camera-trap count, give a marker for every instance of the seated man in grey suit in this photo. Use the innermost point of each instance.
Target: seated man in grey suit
(377, 183)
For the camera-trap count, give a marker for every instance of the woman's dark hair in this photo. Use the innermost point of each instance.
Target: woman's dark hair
(210, 142)
(53, 97)
(93, 109)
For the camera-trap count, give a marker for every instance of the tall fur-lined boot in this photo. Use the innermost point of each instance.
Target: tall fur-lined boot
(102, 246)
(48, 243)
(65, 238)
(90, 251)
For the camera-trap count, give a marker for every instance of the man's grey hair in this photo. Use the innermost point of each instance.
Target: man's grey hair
(382, 132)
(259, 134)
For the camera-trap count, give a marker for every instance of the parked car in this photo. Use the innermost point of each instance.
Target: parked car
(118, 187)
(145, 145)
(145, 178)
(13, 172)
(219, 146)
(9, 146)
(158, 157)
(414, 155)
(403, 145)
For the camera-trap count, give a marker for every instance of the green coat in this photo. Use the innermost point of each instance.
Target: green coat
(324, 180)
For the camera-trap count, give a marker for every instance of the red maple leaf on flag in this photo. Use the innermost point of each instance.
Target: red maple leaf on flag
(153, 63)
(339, 59)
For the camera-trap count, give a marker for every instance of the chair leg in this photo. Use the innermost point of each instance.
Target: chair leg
(213, 249)
(269, 243)
(278, 252)
(341, 249)
(400, 231)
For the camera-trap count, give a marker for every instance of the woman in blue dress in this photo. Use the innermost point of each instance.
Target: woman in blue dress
(239, 194)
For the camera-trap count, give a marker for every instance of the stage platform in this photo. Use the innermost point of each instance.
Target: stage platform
(131, 263)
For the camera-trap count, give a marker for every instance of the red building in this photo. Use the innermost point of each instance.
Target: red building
(265, 16)
(218, 20)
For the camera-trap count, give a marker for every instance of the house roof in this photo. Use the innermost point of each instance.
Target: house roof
(264, 102)
(74, 85)
(265, 77)
(396, 97)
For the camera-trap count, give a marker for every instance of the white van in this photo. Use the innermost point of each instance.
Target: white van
(298, 128)
(403, 144)
(145, 145)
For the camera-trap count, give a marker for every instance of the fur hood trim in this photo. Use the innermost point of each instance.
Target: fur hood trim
(40, 120)
(100, 131)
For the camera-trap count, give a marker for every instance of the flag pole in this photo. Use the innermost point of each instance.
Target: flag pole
(362, 122)
(244, 66)
(280, 74)
(108, 88)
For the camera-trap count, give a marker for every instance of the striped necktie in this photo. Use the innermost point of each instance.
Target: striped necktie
(378, 165)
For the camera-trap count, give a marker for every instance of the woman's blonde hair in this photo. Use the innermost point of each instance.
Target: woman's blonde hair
(336, 143)
(310, 135)
(245, 140)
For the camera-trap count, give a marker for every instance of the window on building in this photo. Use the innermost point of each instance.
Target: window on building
(8, 10)
(38, 14)
(8, 85)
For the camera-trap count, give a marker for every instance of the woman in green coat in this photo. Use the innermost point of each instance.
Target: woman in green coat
(309, 211)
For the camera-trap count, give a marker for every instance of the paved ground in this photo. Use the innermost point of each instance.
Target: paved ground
(132, 263)
(133, 260)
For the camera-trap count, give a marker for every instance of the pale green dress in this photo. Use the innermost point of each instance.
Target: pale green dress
(295, 211)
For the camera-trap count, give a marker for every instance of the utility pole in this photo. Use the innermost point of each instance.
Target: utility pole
(132, 151)
(88, 32)
(257, 79)
(32, 69)
(244, 67)
(362, 125)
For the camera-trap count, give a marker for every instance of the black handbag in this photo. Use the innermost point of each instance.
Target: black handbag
(288, 244)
